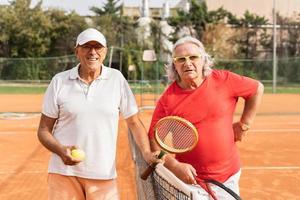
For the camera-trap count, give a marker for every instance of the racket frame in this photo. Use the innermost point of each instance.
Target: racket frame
(166, 147)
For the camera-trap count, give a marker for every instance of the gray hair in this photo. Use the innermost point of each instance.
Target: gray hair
(208, 62)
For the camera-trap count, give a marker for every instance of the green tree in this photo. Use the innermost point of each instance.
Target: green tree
(288, 48)
(250, 26)
(110, 8)
(197, 18)
(25, 29)
(218, 16)
(64, 30)
(33, 32)
(194, 20)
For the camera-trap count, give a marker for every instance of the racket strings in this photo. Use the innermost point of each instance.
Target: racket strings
(176, 134)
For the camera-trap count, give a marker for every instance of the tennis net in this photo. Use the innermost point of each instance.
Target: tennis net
(164, 189)
(161, 184)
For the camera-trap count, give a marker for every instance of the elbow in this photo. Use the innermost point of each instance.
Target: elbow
(260, 88)
(134, 122)
(40, 135)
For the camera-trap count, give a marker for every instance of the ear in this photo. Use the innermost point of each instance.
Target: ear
(76, 52)
(105, 51)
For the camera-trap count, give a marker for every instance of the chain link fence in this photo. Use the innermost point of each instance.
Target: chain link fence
(146, 75)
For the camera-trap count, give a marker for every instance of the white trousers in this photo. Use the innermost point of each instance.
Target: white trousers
(232, 183)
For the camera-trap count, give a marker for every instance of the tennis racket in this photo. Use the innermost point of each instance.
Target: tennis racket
(174, 135)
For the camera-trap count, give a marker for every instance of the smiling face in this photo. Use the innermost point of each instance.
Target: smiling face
(91, 55)
(188, 62)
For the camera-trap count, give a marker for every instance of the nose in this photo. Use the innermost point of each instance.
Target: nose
(93, 50)
(187, 61)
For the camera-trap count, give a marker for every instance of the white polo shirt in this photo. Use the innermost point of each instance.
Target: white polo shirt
(87, 116)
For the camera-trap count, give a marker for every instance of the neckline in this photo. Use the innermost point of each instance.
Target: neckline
(93, 79)
(202, 85)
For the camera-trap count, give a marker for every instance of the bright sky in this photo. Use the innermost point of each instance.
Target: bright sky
(82, 6)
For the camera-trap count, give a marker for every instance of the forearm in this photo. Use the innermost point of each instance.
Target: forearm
(251, 106)
(46, 137)
(139, 133)
(48, 141)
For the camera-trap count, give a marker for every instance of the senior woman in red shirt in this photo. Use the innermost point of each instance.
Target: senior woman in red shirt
(207, 98)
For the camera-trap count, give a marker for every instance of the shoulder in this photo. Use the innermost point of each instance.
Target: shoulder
(170, 89)
(62, 78)
(111, 73)
(65, 75)
(220, 74)
(224, 75)
(62, 75)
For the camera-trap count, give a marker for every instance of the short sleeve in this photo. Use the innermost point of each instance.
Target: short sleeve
(128, 106)
(242, 86)
(50, 106)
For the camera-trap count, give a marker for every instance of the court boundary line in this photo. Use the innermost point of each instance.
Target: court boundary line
(3, 172)
(24, 172)
(271, 168)
(271, 113)
(267, 131)
(274, 130)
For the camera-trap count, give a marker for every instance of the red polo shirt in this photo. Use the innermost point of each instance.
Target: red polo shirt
(210, 108)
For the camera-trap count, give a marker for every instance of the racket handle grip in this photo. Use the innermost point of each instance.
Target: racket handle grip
(148, 171)
(151, 167)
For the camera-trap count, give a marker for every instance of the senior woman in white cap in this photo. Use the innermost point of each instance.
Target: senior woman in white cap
(207, 98)
(81, 111)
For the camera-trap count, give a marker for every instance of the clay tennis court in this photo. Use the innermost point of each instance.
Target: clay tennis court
(270, 153)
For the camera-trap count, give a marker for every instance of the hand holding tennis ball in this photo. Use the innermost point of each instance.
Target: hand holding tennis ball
(78, 154)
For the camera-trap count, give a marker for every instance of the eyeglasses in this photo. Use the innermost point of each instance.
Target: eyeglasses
(184, 59)
(88, 47)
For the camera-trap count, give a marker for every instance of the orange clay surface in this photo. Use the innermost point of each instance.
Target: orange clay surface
(270, 153)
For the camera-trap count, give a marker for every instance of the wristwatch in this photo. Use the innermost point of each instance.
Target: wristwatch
(244, 126)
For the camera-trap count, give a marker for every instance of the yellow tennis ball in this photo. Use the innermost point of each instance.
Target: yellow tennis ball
(78, 154)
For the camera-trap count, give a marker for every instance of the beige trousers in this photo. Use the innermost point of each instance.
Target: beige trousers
(62, 187)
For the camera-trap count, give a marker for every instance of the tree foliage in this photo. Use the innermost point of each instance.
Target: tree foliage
(194, 20)
(26, 30)
(64, 30)
(110, 8)
(252, 36)
(32, 32)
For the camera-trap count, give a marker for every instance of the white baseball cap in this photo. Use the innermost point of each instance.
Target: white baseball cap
(90, 34)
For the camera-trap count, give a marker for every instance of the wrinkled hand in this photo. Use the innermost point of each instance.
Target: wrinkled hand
(66, 156)
(238, 132)
(152, 157)
(185, 172)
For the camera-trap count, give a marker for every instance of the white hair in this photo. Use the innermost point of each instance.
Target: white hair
(208, 62)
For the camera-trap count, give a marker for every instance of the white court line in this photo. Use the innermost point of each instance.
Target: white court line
(24, 172)
(253, 131)
(277, 123)
(272, 168)
(243, 168)
(276, 130)
(16, 132)
(26, 125)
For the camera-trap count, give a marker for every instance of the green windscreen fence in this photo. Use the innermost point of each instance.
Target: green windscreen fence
(151, 75)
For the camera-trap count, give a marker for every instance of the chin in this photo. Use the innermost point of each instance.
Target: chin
(94, 65)
(191, 76)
